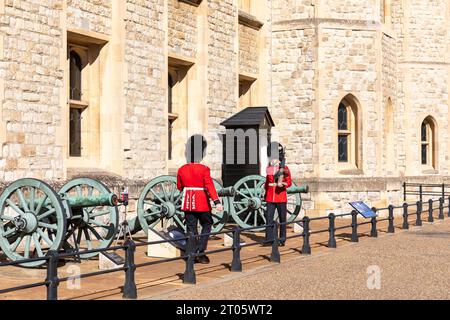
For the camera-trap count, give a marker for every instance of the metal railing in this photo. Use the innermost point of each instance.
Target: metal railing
(420, 189)
(52, 258)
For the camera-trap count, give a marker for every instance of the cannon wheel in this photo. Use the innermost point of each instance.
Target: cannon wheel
(160, 203)
(93, 227)
(32, 221)
(248, 207)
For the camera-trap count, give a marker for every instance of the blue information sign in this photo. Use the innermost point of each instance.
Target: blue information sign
(363, 209)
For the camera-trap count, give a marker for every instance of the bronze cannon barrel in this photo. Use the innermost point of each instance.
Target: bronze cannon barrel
(108, 199)
(291, 190)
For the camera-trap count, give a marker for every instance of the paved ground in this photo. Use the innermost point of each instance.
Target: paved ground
(413, 264)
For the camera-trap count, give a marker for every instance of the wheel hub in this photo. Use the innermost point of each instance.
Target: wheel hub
(168, 209)
(254, 203)
(26, 222)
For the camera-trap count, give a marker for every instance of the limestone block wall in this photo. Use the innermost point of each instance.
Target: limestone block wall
(348, 63)
(222, 71)
(427, 93)
(31, 40)
(182, 32)
(367, 10)
(292, 9)
(248, 50)
(427, 34)
(294, 94)
(390, 154)
(145, 90)
(90, 15)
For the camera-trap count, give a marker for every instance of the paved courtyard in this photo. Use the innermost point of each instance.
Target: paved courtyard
(413, 264)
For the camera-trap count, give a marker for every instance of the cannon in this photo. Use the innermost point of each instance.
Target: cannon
(248, 206)
(34, 218)
(159, 205)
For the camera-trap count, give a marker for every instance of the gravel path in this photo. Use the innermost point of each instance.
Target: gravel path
(413, 264)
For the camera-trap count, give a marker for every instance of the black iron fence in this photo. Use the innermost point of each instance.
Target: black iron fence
(405, 211)
(420, 189)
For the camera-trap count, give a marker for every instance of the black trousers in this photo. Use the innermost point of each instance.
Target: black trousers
(281, 208)
(206, 221)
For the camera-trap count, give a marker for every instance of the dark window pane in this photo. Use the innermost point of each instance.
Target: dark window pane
(169, 135)
(75, 132)
(424, 132)
(170, 86)
(424, 154)
(75, 76)
(343, 148)
(342, 117)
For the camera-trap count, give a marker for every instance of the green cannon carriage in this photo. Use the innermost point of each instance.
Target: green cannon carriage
(35, 219)
(248, 205)
(160, 203)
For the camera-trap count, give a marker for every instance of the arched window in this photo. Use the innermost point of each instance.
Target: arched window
(75, 76)
(347, 131)
(427, 137)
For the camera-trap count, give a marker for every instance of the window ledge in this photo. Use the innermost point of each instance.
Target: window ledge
(350, 170)
(429, 170)
(78, 104)
(195, 3)
(248, 20)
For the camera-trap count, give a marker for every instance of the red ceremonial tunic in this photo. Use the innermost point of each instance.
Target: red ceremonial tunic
(273, 192)
(194, 180)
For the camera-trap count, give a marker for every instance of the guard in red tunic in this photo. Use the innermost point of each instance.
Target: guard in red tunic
(278, 179)
(195, 182)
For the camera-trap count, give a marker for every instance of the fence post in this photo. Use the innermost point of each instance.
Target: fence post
(275, 255)
(129, 288)
(236, 264)
(354, 226)
(404, 191)
(419, 213)
(420, 193)
(441, 208)
(332, 230)
(405, 217)
(52, 275)
(430, 210)
(448, 206)
(391, 228)
(306, 248)
(189, 273)
(373, 221)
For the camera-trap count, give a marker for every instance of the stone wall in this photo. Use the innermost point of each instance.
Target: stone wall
(348, 59)
(90, 15)
(31, 79)
(222, 62)
(248, 50)
(182, 31)
(367, 10)
(145, 90)
(293, 96)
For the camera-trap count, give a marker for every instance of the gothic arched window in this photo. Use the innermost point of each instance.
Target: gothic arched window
(347, 129)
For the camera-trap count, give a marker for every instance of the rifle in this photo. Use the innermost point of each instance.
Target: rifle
(279, 176)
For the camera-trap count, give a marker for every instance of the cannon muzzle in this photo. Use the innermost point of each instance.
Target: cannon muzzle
(298, 189)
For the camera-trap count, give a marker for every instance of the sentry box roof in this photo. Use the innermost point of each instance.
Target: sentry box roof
(250, 117)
